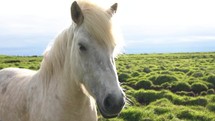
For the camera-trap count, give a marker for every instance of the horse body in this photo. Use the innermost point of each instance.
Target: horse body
(77, 73)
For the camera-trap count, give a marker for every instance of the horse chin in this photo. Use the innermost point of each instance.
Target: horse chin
(104, 114)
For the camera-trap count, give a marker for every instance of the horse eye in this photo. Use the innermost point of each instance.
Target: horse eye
(82, 47)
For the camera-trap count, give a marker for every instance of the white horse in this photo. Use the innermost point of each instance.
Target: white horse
(77, 73)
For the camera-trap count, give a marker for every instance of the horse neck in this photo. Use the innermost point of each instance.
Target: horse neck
(55, 77)
(67, 98)
(55, 81)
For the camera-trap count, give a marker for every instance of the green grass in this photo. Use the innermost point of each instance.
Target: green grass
(30, 62)
(161, 87)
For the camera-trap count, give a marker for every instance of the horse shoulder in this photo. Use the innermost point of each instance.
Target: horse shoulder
(8, 73)
(13, 88)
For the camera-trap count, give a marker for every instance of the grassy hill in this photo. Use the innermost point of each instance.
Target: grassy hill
(159, 87)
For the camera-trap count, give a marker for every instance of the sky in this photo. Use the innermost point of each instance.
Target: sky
(147, 26)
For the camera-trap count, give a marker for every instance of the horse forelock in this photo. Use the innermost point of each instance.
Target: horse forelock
(98, 23)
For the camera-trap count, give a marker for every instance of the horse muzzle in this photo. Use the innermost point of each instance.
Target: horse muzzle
(111, 106)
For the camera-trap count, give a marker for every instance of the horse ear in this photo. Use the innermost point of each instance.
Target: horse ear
(112, 9)
(76, 13)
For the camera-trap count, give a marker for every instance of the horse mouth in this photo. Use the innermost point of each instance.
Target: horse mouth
(105, 114)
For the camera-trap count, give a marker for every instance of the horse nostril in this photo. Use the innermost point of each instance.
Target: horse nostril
(107, 102)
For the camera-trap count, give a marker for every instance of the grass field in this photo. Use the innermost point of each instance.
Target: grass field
(160, 87)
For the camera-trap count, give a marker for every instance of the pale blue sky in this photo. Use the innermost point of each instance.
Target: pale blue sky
(148, 26)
